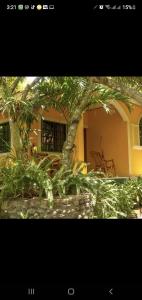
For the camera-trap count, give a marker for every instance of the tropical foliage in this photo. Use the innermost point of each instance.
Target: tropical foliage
(25, 179)
(28, 179)
(72, 96)
(133, 188)
(21, 103)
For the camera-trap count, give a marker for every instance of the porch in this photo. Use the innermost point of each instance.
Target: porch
(106, 142)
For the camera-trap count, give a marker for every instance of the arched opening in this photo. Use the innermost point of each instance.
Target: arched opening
(140, 131)
(107, 133)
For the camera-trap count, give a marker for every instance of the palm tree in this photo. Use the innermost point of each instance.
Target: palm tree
(16, 104)
(71, 96)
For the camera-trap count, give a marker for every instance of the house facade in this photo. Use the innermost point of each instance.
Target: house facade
(118, 135)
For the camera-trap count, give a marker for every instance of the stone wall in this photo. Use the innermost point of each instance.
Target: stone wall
(71, 207)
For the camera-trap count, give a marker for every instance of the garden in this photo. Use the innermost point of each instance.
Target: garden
(32, 188)
(28, 191)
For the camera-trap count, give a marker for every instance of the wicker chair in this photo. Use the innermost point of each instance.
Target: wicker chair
(101, 164)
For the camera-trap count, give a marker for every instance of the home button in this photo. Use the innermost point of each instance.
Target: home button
(71, 291)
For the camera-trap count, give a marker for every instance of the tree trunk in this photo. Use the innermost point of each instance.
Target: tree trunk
(72, 130)
(69, 143)
(16, 138)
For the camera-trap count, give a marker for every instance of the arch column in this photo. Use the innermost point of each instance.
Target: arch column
(125, 118)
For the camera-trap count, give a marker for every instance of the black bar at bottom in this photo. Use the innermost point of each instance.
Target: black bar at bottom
(71, 291)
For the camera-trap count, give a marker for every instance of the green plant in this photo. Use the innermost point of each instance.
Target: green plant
(126, 201)
(24, 215)
(119, 201)
(133, 189)
(109, 199)
(26, 180)
(73, 181)
(106, 199)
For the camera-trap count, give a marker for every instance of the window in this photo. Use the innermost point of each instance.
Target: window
(4, 137)
(53, 136)
(140, 131)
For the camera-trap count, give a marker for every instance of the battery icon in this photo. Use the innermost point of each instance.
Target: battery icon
(51, 6)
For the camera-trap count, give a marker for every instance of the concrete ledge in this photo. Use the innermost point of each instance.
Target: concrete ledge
(70, 207)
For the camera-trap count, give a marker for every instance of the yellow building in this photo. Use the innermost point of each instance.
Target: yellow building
(117, 134)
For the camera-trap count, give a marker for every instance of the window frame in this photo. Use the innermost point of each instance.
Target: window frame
(54, 122)
(1, 124)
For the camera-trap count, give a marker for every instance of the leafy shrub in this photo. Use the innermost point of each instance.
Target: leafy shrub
(73, 181)
(30, 178)
(134, 189)
(25, 180)
(126, 202)
(109, 199)
(106, 200)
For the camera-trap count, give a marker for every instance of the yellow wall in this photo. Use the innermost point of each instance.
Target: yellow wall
(107, 133)
(136, 150)
(137, 161)
(53, 115)
(3, 118)
(79, 142)
(116, 139)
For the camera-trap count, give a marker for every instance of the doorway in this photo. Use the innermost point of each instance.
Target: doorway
(85, 145)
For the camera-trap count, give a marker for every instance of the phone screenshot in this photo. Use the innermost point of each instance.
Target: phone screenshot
(70, 149)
